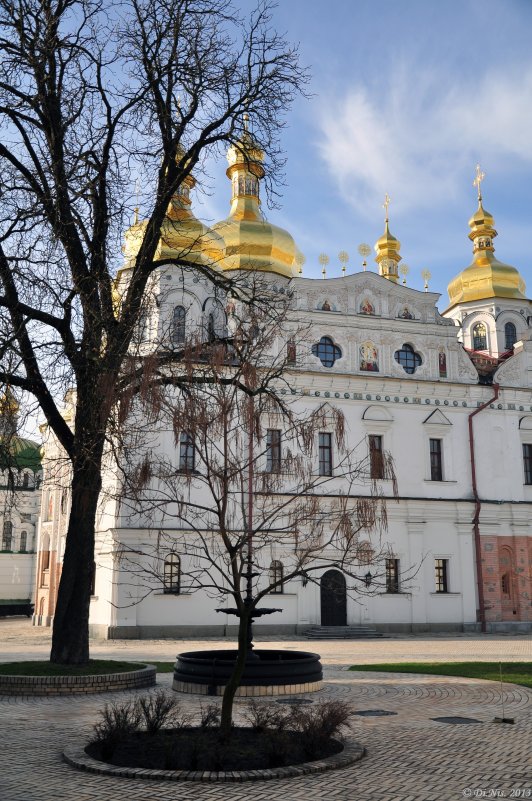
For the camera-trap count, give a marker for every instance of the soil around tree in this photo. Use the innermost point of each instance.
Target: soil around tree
(200, 749)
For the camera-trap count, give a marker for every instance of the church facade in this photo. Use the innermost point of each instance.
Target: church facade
(446, 394)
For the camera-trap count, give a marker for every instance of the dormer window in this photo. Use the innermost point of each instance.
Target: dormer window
(178, 325)
(510, 336)
(480, 338)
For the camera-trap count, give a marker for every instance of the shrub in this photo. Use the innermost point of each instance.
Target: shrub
(264, 716)
(210, 716)
(118, 720)
(161, 710)
(319, 724)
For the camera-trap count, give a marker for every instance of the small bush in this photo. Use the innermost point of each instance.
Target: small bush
(319, 724)
(161, 710)
(210, 716)
(264, 716)
(118, 720)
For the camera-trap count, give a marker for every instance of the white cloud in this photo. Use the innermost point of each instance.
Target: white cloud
(420, 137)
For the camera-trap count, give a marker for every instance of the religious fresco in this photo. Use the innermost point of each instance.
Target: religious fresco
(442, 363)
(369, 357)
(405, 314)
(366, 307)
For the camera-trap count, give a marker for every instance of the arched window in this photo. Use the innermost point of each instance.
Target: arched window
(172, 574)
(276, 575)
(7, 535)
(178, 325)
(187, 452)
(23, 541)
(480, 339)
(408, 359)
(506, 586)
(510, 336)
(326, 351)
(45, 563)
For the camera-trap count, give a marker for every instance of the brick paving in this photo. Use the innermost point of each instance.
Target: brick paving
(409, 756)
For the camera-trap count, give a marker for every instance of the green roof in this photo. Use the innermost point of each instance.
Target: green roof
(20, 453)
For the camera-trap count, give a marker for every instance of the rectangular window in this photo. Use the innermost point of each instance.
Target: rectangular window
(527, 462)
(392, 575)
(441, 575)
(187, 456)
(273, 450)
(376, 461)
(325, 453)
(436, 460)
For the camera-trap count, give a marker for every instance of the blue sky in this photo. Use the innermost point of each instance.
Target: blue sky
(408, 95)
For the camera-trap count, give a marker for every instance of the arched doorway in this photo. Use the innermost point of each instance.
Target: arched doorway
(333, 599)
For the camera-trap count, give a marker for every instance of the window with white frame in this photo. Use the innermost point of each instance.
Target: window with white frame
(392, 575)
(325, 453)
(441, 575)
(187, 453)
(276, 576)
(172, 574)
(273, 450)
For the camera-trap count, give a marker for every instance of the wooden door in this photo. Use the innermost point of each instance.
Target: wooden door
(333, 599)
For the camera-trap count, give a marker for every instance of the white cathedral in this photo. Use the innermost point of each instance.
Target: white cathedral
(447, 394)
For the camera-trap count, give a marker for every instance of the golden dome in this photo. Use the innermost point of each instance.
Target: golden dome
(486, 276)
(387, 248)
(183, 236)
(252, 243)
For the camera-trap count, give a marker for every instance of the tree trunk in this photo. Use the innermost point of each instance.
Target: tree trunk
(70, 638)
(234, 682)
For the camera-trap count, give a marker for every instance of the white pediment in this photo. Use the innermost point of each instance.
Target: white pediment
(437, 418)
(377, 413)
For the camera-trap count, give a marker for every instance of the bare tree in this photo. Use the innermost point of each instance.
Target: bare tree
(92, 96)
(261, 489)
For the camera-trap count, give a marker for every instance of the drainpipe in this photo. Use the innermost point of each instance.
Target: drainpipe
(476, 518)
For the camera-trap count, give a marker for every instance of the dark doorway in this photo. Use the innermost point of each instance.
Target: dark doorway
(333, 599)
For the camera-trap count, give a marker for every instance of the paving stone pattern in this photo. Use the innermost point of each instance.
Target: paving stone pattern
(409, 756)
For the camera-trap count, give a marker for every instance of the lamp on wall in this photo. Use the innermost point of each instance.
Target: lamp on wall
(304, 578)
(368, 579)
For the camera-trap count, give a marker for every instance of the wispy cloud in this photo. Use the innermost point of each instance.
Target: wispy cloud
(420, 135)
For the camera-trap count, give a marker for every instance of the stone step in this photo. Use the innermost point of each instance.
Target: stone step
(341, 633)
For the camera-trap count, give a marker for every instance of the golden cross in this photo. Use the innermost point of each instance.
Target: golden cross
(386, 204)
(478, 180)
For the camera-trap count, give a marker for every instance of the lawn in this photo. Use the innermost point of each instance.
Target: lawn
(514, 672)
(95, 667)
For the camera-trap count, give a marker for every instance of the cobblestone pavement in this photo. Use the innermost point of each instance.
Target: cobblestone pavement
(410, 757)
(20, 640)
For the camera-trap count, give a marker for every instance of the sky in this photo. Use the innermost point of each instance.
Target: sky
(407, 97)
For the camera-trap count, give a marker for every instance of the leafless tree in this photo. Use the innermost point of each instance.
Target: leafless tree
(262, 487)
(95, 94)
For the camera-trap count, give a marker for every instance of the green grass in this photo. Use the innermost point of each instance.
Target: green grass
(95, 667)
(514, 672)
(164, 667)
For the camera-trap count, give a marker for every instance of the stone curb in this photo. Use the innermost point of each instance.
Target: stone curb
(72, 685)
(352, 752)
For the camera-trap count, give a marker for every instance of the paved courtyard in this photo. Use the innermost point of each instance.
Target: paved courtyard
(410, 757)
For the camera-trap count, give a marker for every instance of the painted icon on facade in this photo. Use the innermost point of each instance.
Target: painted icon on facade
(369, 357)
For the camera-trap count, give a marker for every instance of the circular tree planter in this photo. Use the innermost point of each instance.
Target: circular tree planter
(72, 685)
(352, 752)
(268, 672)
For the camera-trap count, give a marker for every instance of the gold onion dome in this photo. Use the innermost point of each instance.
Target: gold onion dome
(252, 243)
(183, 236)
(387, 248)
(486, 276)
